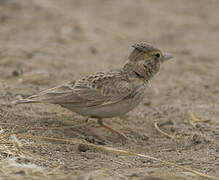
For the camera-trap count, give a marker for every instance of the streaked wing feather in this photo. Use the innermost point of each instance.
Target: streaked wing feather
(60, 94)
(93, 90)
(101, 90)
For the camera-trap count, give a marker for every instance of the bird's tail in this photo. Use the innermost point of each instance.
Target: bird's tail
(24, 101)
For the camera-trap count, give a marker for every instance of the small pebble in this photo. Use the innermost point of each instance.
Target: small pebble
(83, 147)
(93, 50)
(148, 103)
(16, 72)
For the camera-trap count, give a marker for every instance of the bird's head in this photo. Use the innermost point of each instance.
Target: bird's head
(145, 60)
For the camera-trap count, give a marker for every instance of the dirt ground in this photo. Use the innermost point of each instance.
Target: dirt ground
(44, 43)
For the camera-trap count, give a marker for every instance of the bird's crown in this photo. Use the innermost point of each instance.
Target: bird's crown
(143, 51)
(144, 47)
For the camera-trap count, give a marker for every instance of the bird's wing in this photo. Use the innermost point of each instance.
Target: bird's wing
(101, 89)
(93, 90)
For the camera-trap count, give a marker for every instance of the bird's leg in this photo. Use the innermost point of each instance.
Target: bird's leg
(100, 121)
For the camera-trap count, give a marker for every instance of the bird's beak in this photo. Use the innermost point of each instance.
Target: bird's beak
(166, 56)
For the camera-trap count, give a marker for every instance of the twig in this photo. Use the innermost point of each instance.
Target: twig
(11, 124)
(194, 119)
(47, 128)
(162, 132)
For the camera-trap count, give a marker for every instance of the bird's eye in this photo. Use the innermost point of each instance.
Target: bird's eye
(157, 55)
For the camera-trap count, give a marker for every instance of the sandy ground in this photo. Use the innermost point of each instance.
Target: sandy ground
(44, 43)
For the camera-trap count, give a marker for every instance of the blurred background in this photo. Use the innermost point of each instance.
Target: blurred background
(44, 43)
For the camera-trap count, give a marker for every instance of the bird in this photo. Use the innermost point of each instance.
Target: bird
(107, 94)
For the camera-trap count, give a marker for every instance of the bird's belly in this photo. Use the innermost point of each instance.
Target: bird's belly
(109, 110)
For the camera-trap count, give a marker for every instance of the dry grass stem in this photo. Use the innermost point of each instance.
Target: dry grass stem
(194, 119)
(162, 132)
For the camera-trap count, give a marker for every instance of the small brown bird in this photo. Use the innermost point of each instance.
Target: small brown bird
(104, 95)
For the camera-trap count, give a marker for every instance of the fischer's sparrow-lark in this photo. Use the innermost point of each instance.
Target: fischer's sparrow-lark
(104, 95)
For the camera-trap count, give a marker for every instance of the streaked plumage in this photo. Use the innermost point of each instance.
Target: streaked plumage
(104, 95)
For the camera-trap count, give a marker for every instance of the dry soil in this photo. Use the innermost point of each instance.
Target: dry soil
(44, 43)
